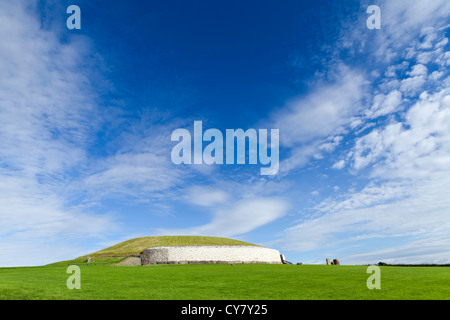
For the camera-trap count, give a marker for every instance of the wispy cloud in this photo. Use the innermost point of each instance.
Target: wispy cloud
(206, 196)
(311, 125)
(430, 250)
(47, 112)
(238, 218)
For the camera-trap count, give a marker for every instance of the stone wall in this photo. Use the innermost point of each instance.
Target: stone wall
(209, 254)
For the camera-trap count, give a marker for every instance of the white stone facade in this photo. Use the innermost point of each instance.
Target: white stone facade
(209, 254)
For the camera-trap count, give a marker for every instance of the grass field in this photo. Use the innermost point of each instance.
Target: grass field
(225, 282)
(216, 281)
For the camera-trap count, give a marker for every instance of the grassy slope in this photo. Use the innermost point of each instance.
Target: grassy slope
(241, 281)
(135, 247)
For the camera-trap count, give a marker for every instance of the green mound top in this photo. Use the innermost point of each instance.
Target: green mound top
(135, 246)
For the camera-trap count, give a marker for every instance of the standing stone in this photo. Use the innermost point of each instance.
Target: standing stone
(283, 261)
(299, 263)
(336, 262)
(328, 262)
(88, 259)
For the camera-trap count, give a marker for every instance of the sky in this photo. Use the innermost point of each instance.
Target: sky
(87, 115)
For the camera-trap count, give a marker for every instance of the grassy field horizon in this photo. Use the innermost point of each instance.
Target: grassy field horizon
(103, 280)
(224, 282)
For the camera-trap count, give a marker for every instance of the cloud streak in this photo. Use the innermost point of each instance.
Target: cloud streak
(239, 218)
(47, 114)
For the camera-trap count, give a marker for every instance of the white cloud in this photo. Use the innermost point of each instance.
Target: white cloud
(385, 104)
(414, 148)
(436, 75)
(206, 196)
(431, 250)
(412, 85)
(299, 157)
(314, 124)
(322, 112)
(331, 144)
(135, 175)
(393, 70)
(405, 21)
(240, 218)
(418, 70)
(339, 165)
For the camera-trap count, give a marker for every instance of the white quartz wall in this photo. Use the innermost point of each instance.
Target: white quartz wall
(210, 254)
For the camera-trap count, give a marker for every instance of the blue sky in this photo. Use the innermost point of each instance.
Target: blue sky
(86, 118)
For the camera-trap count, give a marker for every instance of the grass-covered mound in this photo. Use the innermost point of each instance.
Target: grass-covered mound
(136, 246)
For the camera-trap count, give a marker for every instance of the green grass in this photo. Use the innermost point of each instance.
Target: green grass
(225, 282)
(216, 281)
(135, 246)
